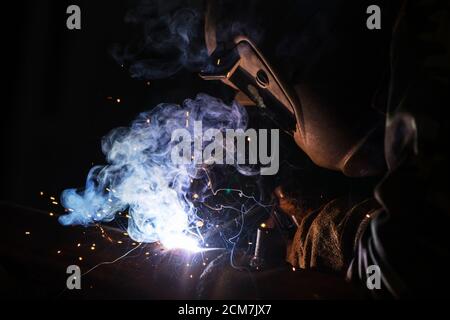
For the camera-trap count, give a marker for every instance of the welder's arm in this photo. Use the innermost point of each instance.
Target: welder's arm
(326, 238)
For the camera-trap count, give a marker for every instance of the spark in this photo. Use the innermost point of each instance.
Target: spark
(229, 190)
(80, 258)
(111, 262)
(200, 223)
(186, 236)
(263, 225)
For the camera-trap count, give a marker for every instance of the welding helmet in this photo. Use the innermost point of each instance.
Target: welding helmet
(312, 67)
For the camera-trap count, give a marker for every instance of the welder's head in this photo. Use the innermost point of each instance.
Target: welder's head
(311, 66)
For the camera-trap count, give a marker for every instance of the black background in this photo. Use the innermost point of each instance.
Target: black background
(57, 86)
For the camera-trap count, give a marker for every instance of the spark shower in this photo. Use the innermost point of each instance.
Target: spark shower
(141, 176)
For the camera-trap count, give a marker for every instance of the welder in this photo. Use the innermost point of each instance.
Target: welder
(394, 126)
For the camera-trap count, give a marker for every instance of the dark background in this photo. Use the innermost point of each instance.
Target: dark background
(57, 86)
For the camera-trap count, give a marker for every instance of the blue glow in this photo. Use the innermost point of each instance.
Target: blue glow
(141, 178)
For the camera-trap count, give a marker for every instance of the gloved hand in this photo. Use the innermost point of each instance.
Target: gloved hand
(326, 237)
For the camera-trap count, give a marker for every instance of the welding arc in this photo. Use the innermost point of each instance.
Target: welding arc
(251, 212)
(111, 262)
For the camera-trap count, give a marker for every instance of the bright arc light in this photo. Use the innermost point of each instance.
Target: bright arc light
(183, 242)
(141, 178)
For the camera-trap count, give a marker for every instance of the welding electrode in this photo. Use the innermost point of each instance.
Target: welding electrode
(257, 260)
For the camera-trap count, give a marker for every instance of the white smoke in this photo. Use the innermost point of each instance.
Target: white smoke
(141, 178)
